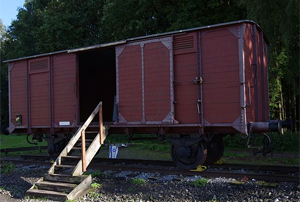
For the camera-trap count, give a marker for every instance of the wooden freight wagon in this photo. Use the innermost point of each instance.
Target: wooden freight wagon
(196, 85)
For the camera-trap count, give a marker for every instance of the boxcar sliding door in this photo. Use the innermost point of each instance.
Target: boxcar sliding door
(145, 82)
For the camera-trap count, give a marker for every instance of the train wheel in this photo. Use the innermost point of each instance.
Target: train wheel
(189, 157)
(215, 150)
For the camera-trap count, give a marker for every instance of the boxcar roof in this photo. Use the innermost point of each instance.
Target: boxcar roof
(137, 38)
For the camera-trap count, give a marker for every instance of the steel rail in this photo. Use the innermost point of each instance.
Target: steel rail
(172, 170)
(97, 160)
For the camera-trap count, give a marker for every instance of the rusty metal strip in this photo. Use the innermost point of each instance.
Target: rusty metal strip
(243, 119)
(11, 125)
(118, 50)
(168, 43)
(28, 99)
(143, 82)
(200, 86)
(51, 95)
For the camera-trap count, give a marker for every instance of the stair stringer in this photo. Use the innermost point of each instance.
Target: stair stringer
(90, 153)
(81, 188)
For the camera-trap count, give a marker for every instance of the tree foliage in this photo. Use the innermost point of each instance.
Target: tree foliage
(52, 25)
(131, 18)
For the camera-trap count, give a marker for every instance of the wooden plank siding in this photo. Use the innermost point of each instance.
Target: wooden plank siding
(266, 79)
(39, 83)
(185, 70)
(18, 92)
(64, 69)
(249, 74)
(130, 83)
(220, 69)
(259, 76)
(157, 81)
(256, 75)
(144, 82)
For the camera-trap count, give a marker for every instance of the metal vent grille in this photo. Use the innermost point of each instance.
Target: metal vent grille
(184, 43)
(40, 65)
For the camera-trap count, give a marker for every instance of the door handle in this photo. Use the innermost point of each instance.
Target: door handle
(198, 105)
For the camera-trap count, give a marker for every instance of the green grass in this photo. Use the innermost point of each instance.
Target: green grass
(146, 146)
(7, 168)
(16, 141)
(140, 147)
(246, 155)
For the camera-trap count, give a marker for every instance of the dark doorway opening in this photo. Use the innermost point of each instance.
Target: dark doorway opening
(97, 82)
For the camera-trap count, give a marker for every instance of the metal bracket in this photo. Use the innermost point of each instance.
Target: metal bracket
(197, 80)
(175, 82)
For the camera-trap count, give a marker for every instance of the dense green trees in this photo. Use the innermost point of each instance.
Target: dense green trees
(52, 25)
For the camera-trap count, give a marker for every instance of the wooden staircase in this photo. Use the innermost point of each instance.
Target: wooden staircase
(65, 179)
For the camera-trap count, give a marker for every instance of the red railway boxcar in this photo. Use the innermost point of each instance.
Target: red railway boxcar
(196, 85)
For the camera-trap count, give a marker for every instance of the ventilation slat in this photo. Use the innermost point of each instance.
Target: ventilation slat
(184, 43)
(39, 65)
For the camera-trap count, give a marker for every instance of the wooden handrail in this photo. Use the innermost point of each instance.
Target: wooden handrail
(83, 151)
(101, 126)
(81, 133)
(98, 110)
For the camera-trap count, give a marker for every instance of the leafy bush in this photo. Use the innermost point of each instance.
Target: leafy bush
(200, 182)
(287, 142)
(234, 142)
(95, 185)
(138, 181)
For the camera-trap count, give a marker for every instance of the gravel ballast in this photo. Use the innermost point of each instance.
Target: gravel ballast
(120, 186)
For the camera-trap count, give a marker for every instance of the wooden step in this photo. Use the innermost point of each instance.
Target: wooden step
(55, 186)
(87, 143)
(70, 160)
(92, 132)
(64, 166)
(71, 157)
(42, 194)
(64, 169)
(86, 140)
(64, 178)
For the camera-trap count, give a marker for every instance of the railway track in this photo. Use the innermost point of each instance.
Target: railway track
(235, 171)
